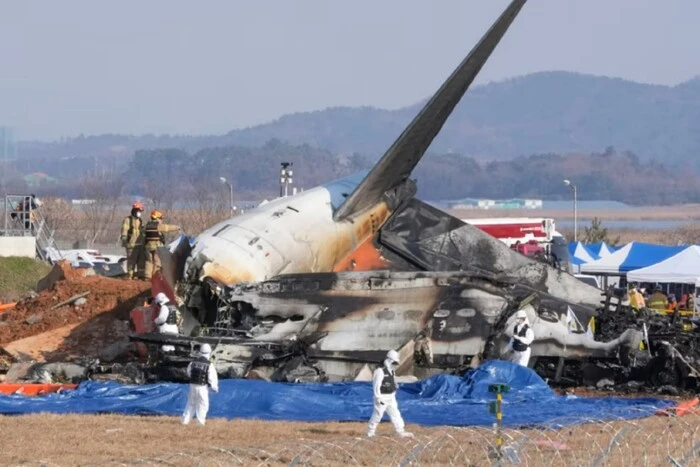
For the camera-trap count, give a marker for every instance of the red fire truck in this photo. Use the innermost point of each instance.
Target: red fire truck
(536, 237)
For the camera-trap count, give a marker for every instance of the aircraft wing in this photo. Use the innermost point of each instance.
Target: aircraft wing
(402, 157)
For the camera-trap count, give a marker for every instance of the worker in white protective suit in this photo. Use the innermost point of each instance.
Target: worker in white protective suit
(166, 319)
(384, 388)
(202, 376)
(519, 344)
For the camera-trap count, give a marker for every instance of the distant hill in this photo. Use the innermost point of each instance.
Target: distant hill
(538, 113)
(651, 134)
(548, 112)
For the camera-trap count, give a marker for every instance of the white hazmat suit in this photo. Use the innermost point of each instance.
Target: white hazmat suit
(519, 344)
(202, 376)
(384, 397)
(161, 320)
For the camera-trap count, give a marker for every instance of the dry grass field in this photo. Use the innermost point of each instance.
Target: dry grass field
(689, 212)
(126, 440)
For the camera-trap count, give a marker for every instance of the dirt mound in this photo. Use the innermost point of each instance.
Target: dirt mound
(94, 322)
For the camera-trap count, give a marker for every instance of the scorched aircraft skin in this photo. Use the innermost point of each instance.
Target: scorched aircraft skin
(319, 284)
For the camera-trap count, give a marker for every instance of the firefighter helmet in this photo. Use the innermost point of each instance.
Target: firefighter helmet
(137, 205)
(156, 214)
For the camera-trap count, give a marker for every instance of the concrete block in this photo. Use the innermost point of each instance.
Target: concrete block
(18, 246)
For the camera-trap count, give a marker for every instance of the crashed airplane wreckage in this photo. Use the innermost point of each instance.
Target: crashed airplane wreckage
(319, 285)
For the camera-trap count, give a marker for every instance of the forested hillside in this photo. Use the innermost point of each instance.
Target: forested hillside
(538, 113)
(517, 138)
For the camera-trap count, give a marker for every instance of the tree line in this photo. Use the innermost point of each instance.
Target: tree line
(171, 176)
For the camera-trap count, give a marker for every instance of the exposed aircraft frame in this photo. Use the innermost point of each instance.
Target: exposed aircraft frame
(319, 285)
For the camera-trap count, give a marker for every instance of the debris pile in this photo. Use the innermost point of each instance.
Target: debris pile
(75, 316)
(666, 360)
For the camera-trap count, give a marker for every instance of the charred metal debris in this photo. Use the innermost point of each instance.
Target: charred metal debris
(666, 360)
(286, 330)
(447, 281)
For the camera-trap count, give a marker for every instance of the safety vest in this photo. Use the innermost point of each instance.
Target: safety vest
(199, 371)
(634, 302)
(152, 233)
(517, 345)
(388, 385)
(172, 315)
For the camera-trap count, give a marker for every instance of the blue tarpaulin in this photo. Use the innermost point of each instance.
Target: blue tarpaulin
(440, 400)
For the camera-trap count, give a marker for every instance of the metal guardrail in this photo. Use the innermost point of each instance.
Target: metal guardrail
(23, 218)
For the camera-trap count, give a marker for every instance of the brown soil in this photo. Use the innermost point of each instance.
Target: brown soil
(70, 329)
(127, 440)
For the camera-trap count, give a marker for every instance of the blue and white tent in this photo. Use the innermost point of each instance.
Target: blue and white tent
(581, 253)
(632, 256)
(682, 268)
(602, 249)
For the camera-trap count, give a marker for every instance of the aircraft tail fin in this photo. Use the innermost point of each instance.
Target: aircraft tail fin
(402, 157)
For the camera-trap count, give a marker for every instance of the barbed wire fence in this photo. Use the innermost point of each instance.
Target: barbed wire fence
(668, 440)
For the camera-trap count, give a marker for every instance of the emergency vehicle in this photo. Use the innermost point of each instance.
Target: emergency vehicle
(536, 237)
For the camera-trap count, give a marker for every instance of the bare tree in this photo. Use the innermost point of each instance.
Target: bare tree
(60, 217)
(209, 204)
(103, 193)
(160, 192)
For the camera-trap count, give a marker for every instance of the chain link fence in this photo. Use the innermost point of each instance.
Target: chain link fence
(654, 441)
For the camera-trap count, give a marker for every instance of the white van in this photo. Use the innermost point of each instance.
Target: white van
(590, 280)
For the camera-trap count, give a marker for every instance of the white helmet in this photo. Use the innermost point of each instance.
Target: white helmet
(161, 298)
(205, 349)
(521, 314)
(393, 355)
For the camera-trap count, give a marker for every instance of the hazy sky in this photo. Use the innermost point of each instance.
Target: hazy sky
(175, 66)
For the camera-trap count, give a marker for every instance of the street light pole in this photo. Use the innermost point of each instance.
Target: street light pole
(573, 188)
(230, 188)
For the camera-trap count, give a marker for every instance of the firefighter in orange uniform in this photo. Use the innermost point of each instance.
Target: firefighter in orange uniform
(155, 237)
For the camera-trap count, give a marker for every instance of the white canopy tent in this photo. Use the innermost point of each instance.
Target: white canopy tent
(681, 268)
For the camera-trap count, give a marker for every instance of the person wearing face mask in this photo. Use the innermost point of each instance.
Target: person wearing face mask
(202, 376)
(154, 232)
(384, 396)
(167, 318)
(523, 336)
(132, 238)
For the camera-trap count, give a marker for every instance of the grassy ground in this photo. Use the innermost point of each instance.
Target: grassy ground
(19, 275)
(127, 440)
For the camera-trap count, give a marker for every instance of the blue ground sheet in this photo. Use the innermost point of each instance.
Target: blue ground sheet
(439, 400)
